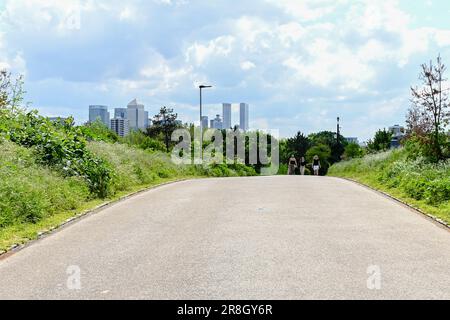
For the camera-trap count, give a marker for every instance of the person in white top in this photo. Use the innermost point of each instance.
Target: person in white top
(316, 165)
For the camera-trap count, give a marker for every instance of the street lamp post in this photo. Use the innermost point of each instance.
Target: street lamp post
(338, 133)
(201, 118)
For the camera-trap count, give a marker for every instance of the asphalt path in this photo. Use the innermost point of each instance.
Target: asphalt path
(282, 237)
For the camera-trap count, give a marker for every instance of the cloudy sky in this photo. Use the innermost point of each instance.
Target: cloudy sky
(298, 63)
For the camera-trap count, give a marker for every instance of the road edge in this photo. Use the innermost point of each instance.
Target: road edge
(435, 220)
(76, 218)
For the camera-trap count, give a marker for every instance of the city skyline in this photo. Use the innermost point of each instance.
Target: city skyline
(300, 63)
(138, 117)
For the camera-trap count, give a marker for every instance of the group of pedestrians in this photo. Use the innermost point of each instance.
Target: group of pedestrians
(293, 164)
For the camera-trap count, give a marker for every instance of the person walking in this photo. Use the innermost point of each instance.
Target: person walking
(292, 166)
(316, 165)
(302, 166)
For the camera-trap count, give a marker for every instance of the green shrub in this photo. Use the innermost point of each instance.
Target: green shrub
(97, 131)
(324, 153)
(142, 141)
(438, 191)
(61, 147)
(352, 151)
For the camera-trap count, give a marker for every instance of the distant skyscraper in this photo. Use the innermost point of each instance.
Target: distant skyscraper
(120, 113)
(101, 113)
(226, 114)
(217, 123)
(137, 116)
(120, 126)
(146, 120)
(398, 133)
(243, 123)
(205, 122)
(352, 140)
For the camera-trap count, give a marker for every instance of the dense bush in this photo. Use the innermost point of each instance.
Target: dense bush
(421, 146)
(140, 140)
(97, 131)
(352, 151)
(230, 170)
(61, 147)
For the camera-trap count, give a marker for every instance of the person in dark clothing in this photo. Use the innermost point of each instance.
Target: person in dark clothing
(302, 166)
(316, 165)
(292, 166)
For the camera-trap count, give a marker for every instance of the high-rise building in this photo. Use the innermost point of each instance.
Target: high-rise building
(146, 120)
(243, 123)
(137, 116)
(352, 140)
(398, 133)
(217, 123)
(120, 113)
(226, 115)
(204, 122)
(97, 112)
(120, 126)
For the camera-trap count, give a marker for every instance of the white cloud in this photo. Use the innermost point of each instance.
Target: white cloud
(56, 15)
(290, 33)
(333, 65)
(247, 65)
(200, 53)
(442, 37)
(307, 9)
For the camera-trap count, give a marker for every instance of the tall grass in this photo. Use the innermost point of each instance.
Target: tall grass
(135, 167)
(30, 192)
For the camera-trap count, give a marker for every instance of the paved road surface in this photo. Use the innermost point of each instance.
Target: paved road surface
(240, 238)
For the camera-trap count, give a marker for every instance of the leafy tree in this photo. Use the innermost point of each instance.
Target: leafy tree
(98, 131)
(11, 90)
(165, 122)
(298, 145)
(285, 153)
(324, 153)
(353, 150)
(381, 141)
(430, 112)
(329, 139)
(142, 141)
